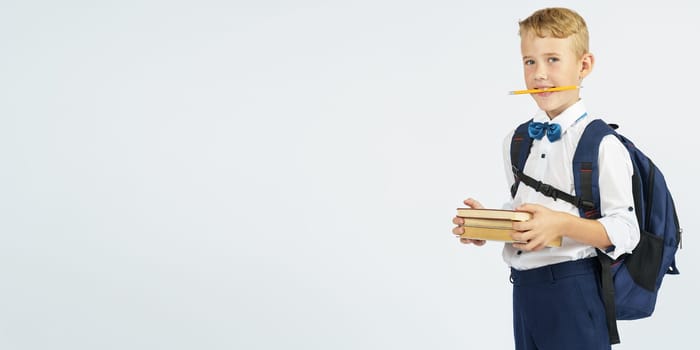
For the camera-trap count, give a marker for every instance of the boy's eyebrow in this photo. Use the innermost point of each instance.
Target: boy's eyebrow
(544, 54)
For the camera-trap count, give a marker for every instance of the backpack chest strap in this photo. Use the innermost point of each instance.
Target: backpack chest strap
(553, 192)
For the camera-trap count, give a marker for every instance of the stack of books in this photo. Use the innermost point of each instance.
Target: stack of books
(493, 224)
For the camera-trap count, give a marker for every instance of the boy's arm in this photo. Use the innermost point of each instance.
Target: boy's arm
(616, 197)
(508, 168)
(510, 180)
(547, 225)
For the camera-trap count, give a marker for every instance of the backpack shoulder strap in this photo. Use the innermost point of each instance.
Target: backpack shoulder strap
(586, 175)
(520, 145)
(585, 165)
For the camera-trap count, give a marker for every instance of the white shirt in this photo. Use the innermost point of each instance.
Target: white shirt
(551, 162)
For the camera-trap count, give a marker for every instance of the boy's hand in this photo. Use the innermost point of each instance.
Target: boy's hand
(545, 226)
(459, 230)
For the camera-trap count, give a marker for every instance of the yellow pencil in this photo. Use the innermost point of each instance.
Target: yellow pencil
(537, 91)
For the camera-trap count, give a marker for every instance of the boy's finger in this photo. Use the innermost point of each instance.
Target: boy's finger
(520, 246)
(473, 203)
(518, 236)
(477, 242)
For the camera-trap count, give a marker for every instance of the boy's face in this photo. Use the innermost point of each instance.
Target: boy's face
(551, 62)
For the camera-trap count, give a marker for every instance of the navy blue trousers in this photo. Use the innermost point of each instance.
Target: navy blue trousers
(559, 307)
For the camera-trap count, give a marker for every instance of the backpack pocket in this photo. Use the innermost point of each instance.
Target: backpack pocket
(644, 263)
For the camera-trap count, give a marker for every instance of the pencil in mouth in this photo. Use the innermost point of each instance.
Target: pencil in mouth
(537, 91)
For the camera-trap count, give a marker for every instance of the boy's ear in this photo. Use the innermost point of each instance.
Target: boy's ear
(587, 62)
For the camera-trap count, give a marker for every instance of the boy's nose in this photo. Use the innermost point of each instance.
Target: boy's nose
(541, 74)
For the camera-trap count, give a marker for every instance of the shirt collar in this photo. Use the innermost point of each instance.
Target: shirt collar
(567, 118)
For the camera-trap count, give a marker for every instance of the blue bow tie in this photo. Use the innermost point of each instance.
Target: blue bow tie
(537, 131)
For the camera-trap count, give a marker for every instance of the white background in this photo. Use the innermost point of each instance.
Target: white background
(282, 175)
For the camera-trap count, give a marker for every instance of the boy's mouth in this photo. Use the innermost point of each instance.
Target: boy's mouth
(544, 90)
(545, 93)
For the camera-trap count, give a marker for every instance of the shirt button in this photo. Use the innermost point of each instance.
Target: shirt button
(630, 209)
(542, 155)
(520, 252)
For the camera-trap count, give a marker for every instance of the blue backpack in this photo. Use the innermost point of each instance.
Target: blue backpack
(630, 284)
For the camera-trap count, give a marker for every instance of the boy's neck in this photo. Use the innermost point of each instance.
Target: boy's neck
(551, 117)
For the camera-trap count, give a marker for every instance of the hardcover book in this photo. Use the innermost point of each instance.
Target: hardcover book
(494, 224)
(494, 214)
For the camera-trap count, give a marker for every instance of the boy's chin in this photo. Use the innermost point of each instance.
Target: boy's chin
(546, 106)
(551, 110)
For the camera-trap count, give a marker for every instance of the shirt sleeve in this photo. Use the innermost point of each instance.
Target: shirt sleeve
(616, 197)
(510, 180)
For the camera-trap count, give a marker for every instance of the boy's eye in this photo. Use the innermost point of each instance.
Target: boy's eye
(529, 62)
(553, 59)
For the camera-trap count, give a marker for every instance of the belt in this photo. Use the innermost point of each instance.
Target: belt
(551, 273)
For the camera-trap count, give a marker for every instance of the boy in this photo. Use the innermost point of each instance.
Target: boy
(556, 299)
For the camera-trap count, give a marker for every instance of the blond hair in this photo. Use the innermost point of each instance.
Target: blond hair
(559, 23)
